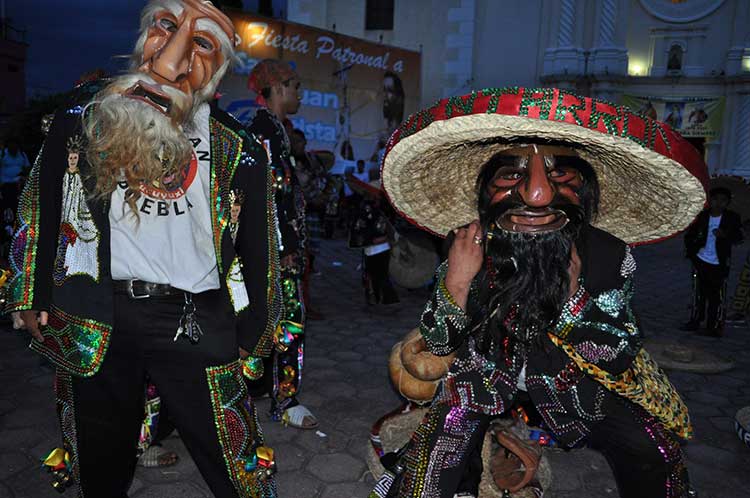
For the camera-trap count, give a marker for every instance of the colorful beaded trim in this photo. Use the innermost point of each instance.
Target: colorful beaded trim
(273, 291)
(23, 248)
(239, 432)
(226, 148)
(76, 345)
(643, 383)
(67, 418)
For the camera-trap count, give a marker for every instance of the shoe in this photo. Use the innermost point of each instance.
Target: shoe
(711, 332)
(691, 326)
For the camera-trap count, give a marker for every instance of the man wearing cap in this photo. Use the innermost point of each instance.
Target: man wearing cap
(132, 261)
(542, 192)
(277, 89)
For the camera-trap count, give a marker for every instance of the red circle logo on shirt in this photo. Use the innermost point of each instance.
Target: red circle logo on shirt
(174, 185)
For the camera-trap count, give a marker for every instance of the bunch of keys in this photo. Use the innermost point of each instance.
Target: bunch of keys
(188, 325)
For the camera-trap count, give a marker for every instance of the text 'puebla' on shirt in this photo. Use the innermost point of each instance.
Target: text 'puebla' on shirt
(171, 241)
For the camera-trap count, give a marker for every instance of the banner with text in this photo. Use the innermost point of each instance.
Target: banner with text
(351, 87)
(689, 116)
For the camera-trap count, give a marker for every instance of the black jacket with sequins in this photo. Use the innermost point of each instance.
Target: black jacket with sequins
(597, 321)
(81, 307)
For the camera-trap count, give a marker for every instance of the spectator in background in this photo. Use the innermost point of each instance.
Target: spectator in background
(13, 163)
(708, 244)
(352, 199)
(372, 231)
(393, 100)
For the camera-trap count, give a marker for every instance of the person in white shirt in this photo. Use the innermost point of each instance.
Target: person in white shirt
(708, 244)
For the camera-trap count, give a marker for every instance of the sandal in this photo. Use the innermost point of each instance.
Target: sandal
(158, 456)
(300, 417)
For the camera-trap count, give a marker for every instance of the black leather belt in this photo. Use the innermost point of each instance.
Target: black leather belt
(138, 289)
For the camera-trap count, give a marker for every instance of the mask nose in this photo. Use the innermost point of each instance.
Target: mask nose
(172, 62)
(537, 189)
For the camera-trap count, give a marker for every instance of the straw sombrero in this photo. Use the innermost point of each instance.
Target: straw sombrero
(651, 179)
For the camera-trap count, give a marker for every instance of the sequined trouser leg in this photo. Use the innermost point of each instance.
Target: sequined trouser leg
(286, 366)
(198, 383)
(645, 457)
(444, 456)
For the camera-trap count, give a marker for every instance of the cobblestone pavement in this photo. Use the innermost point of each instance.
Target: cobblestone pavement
(346, 385)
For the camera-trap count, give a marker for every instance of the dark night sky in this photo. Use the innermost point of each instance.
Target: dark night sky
(70, 37)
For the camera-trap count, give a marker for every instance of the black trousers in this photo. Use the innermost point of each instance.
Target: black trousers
(376, 268)
(646, 459)
(443, 457)
(709, 293)
(109, 405)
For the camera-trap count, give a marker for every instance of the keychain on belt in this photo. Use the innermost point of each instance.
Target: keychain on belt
(188, 325)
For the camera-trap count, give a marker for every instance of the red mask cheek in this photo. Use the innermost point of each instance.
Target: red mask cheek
(499, 194)
(569, 191)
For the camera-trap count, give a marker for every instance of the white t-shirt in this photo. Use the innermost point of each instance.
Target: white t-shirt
(173, 242)
(708, 252)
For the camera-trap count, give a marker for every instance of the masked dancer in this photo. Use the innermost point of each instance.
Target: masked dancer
(542, 192)
(129, 262)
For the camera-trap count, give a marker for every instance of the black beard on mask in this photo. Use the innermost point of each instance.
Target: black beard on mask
(526, 281)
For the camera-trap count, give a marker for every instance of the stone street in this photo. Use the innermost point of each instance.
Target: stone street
(346, 385)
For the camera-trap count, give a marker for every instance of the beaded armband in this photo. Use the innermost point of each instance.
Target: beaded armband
(443, 319)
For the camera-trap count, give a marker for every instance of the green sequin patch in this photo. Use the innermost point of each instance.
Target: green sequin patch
(76, 345)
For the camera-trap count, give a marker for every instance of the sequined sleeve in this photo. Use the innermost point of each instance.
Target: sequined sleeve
(603, 328)
(33, 247)
(443, 321)
(257, 246)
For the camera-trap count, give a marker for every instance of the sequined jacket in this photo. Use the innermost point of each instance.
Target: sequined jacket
(290, 199)
(80, 306)
(598, 322)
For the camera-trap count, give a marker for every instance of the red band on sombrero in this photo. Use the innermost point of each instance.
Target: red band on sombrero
(614, 134)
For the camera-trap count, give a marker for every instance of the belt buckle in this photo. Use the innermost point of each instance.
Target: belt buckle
(132, 295)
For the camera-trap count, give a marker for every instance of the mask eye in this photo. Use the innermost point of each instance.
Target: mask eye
(507, 177)
(562, 175)
(168, 24)
(203, 43)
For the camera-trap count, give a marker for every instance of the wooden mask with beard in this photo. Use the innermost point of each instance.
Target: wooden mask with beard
(533, 201)
(135, 127)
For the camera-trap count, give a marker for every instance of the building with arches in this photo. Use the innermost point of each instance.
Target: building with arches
(686, 62)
